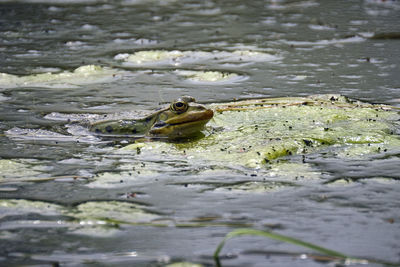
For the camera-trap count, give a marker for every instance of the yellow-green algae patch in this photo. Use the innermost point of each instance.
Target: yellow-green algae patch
(11, 170)
(263, 139)
(20, 206)
(110, 211)
(152, 56)
(208, 76)
(184, 264)
(287, 170)
(177, 57)
(90, 214)
(254, 133)
(83, 75)
(122, 178)
(252, 187)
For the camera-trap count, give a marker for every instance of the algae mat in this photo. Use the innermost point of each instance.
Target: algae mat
(270, 141)
(274, 137)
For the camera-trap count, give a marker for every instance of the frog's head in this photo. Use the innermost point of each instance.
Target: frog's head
(183, 118)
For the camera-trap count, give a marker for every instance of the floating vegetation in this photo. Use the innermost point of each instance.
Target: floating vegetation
(177, 57)
(19, 170)
(270, 136)
(89, 213)
(10, 207)
(209, 76)
(267, 139)
(66, 79)
(109, 211)
(243, 186)
(184, 264)
(255, 133)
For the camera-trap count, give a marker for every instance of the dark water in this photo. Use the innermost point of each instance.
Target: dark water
(316, 47)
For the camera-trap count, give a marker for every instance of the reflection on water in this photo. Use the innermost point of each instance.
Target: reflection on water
(77, 199)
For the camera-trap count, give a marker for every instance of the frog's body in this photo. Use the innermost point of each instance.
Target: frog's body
(183, 118)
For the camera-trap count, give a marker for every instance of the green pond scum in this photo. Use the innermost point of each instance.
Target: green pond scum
(258, 133)
(56, 78)
(268, 137)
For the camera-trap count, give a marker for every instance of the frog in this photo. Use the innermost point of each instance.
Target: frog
(183, 118)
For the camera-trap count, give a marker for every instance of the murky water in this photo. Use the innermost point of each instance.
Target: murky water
(96, 205)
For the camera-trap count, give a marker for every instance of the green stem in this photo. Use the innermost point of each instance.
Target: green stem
(282, 238)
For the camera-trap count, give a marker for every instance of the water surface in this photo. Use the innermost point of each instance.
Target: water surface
(163, 210)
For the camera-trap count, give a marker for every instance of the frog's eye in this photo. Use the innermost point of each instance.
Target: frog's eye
(179, 106)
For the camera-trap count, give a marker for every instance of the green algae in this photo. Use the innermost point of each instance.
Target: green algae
(10, 207)
(177, 57)
(66, 79)
(19, 170)
(184, 264)
(155, 55)
(95, 214)
(260, 133)
(268, 138)
(109, 211)
(207, 76)
(253, 187)
(93, 218)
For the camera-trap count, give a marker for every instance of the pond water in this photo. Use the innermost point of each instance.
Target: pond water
(73, 200)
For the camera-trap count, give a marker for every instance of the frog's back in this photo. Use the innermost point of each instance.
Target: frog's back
(129, 123)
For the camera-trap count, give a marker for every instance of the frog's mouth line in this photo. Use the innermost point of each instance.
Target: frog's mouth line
(190, 117)
(185, 125)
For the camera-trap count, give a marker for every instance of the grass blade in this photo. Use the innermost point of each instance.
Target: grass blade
(332, 253)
